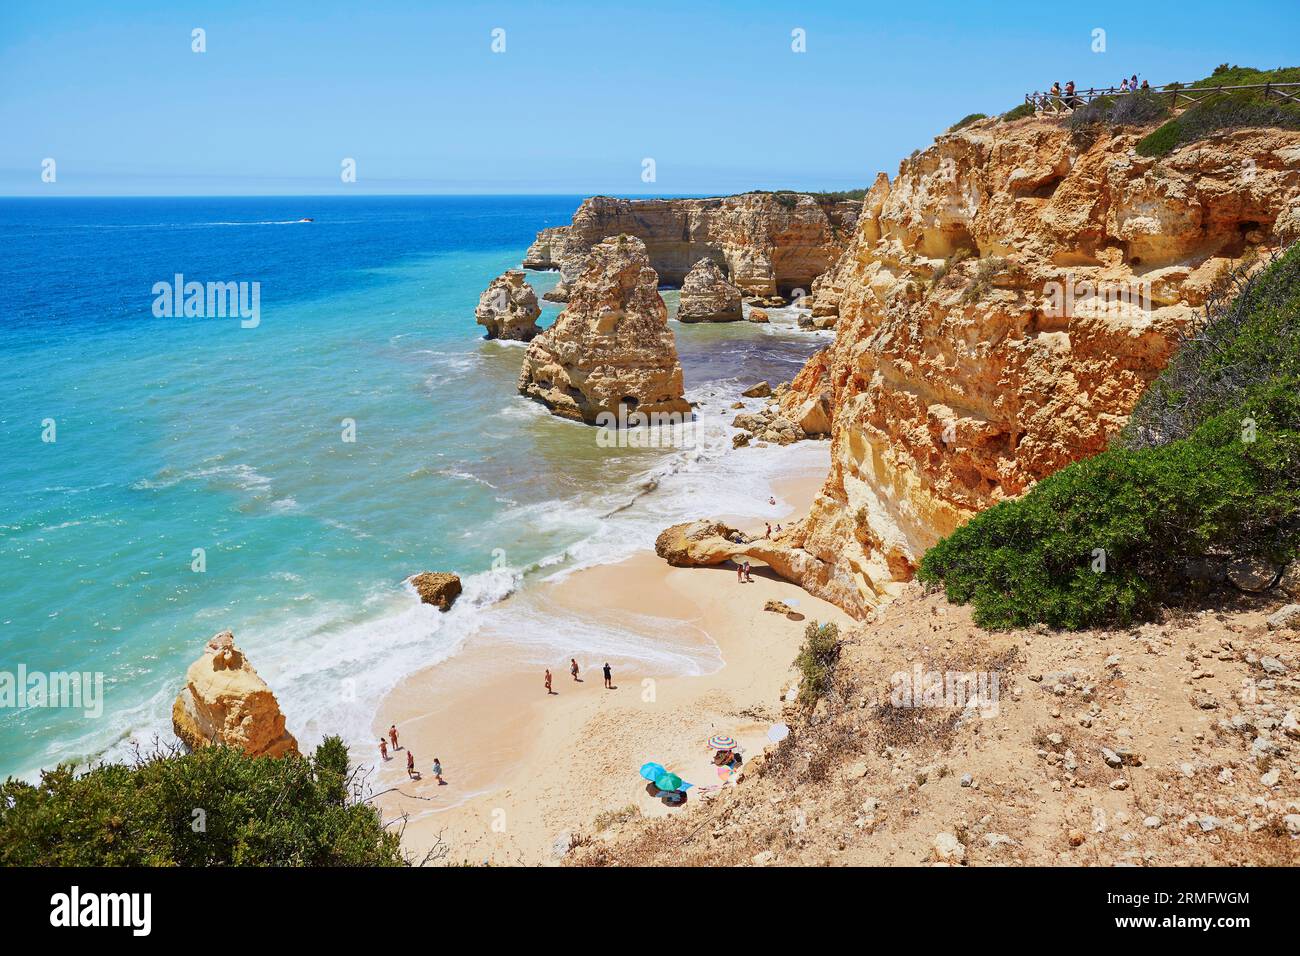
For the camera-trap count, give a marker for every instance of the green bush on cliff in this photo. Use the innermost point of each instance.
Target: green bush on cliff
(215, 807)
(1225, 111)
(966, 121)
(816, 661)
(1209, 468)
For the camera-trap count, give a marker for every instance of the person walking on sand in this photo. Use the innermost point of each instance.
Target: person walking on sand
(436, 770)
(573, 667)
(410, 765)
(748, 579)
(392, 735)
(609, 677)
(548, 681)
(740, 572)
(383, 748)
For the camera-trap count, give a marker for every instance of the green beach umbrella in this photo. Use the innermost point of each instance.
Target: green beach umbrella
(669, 781)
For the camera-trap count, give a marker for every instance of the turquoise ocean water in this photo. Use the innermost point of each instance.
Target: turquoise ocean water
(174, 434)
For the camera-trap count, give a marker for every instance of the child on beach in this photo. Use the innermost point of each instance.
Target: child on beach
(573, 667)
(383, 748)
(392, 735)
(548, 681)
(609, 677)
(437, 772)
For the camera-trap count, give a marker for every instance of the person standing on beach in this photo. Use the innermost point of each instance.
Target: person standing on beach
(437, 772)
(392, 735)
(573, 667)
(548, 681)
(769, 529)
(410, 765)
(740, 572)
(383, 748)
(748, 579)
(609, 677)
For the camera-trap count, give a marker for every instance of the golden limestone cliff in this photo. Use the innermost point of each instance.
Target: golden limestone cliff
(224, 701)
(1001, 307)
(610, 354)
(773, 245)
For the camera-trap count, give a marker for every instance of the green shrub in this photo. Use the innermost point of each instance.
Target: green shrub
(214, 807)
(1209, 470)
(817, 659)
(966, 121)
(1224, 111)
(1161, 142)
(1019, 112)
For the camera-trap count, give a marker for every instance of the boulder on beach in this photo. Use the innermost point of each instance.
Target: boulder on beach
(439, 588)
(761, 390)
(225, 702)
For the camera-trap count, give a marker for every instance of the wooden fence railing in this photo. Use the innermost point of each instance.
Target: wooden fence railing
(1179, 96)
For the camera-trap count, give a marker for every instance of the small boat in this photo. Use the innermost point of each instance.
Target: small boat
(306, 220)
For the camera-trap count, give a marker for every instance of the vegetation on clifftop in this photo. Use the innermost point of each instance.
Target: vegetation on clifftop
(214, 807)
(1207, 472)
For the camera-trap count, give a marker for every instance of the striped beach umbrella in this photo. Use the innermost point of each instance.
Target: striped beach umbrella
(722, 742)
(669, 782)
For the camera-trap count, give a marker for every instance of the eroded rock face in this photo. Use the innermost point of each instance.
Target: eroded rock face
(707, 296)
(224, 701)
(611, 351)
(771, 244)
(508, 308)
(439, 588)
(1002, 306)
(708, 542)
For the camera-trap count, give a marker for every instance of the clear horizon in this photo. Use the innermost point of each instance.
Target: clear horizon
(570, 99)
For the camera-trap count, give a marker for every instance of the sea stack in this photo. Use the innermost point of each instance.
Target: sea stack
(610, 351)
(225, 702)
(508, 308)
(707, 296)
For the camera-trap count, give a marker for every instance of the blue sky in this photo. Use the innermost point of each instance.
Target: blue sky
(581, 96)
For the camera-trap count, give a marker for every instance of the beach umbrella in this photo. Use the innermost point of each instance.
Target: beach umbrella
(652, 771)
(777, 733)
(722, 742)
(668, 781)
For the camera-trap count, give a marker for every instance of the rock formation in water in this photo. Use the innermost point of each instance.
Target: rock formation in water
(439, 588)
(1002, 306)
(508, 308)
(224, 701)
(707, 296)
(611, 350)
(771, 244)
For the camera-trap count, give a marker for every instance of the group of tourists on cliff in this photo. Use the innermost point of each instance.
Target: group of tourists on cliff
(1070, 97)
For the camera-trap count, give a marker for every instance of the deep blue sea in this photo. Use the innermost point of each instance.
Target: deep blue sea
(172, 434)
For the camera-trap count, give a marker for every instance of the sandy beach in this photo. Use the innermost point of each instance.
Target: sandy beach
(524, 770)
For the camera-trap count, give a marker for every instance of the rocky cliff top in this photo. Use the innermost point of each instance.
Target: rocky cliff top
(770, 243)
